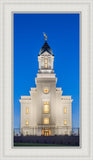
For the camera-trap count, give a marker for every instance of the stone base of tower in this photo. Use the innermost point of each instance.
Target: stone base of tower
(46, 131)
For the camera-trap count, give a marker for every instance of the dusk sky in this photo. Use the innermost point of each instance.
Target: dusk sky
(63, 37)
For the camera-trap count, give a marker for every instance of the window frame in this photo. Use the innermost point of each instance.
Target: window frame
(27, 110)
(44, 120)
(65, 110)
(45, 103)
(45, 62)
(65, 122)
(26, 123)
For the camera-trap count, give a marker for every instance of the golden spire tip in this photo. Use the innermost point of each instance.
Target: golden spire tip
(45, 36)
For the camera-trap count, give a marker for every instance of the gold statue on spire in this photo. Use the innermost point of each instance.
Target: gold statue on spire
(45, 36)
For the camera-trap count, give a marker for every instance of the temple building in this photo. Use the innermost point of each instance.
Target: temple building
(46, 111)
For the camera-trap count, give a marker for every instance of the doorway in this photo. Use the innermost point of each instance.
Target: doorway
(46, 132)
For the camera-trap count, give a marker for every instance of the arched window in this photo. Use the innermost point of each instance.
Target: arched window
(27, 123)
(46, 107)
(65, 110)
(46, 62)
(27, 110)
(65, 122)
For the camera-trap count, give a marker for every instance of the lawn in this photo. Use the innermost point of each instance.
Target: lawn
(37, 144)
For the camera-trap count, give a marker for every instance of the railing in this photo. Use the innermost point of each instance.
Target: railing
(75, 132)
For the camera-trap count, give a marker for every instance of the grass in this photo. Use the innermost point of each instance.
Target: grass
(37, 144)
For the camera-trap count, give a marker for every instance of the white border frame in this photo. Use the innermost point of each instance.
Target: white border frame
(85, 7)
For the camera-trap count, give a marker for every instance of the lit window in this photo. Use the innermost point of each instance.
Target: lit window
(65, 110)
(46, 62)
(65, 122)
(46, 107)
(46, 90)
(46, 121)
(27, 110)
(27, 123)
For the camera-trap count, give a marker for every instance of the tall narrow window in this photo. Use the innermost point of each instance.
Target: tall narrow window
(27, 110)
(46, 63)
(46, 107)
(27, 123)
(65, 110)
(46, 120)
(65, 122)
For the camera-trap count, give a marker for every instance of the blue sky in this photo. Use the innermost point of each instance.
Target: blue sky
(63, 37)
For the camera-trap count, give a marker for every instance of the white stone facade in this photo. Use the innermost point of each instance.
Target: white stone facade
(46, 111)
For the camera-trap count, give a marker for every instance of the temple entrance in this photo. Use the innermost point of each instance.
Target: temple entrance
(46, 132)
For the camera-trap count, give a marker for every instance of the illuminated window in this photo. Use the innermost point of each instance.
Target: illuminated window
(27, 123)
(65, 122)
(46, 107)
(46, 90)
(65, 110)
(27, 110)
(46, 120)
(46, 63)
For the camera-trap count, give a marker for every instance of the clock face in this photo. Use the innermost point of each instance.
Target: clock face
(46, 90)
